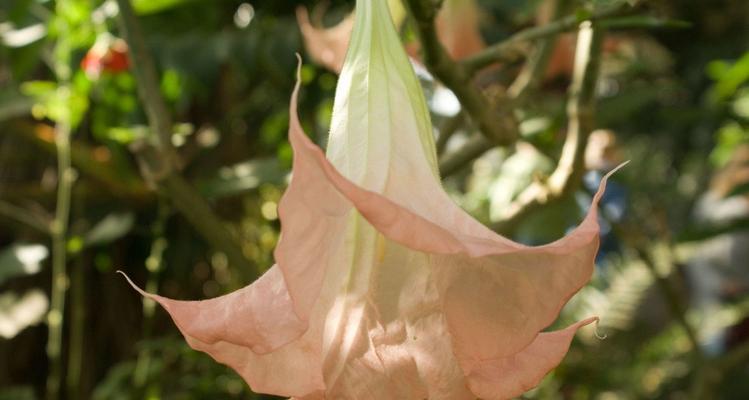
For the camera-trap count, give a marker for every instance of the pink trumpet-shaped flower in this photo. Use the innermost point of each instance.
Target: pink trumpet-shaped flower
(383, 287)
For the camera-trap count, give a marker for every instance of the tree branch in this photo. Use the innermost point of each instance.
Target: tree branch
(447, 130)
(512, 48)
(157, 157)
(528, 80)
(532, 74)
(26, 217)
(678, 310)
(474, 148)
(567, 176)
(495, 121)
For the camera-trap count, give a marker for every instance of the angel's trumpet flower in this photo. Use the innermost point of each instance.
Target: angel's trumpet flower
(383, 287)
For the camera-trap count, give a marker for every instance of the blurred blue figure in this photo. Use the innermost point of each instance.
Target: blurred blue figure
(601, 156)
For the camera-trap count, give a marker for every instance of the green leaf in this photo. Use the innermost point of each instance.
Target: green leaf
(17, 393)
(243, 177)
(38, 89)
(127, 135)
(58, 103)
(729, 137)
(21, 259)
(19, 312)
(23, 36)
(741, 104)
(739, 190)
(112, 227)
(702, 232)
(729, 77)
(153, 6)
(13, 104)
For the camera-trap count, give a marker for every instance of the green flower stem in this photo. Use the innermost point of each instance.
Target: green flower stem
(65, 178)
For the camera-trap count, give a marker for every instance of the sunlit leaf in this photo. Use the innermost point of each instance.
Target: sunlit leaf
(18, 313)
(22, 36)
(110, 228)
(144, 7)
(243, 177)
(13, 104)
(21, 259)
(729, 77)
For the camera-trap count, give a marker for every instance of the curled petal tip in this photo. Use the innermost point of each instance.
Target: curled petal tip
(617, 168)
(136, 287)
(602, 186)
(599, 335)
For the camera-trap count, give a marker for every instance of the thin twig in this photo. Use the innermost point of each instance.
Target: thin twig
(157, 158)
(567, 176)
(527, 81)
(511, 49)
(495, 121)
(59, 231)
(472, 149)
(148, 84)
(711, 373)
(19, 214)
(447, 130)
(116, 176)
(59, 227)
(532, 74)
(678, 310)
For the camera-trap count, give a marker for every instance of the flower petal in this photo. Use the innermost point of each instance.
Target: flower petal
(512, 376)
(496, 294)
(255, 331)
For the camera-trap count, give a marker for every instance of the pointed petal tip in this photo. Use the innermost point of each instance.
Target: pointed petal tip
(130, 281)
(604, 179)
(592, 320)
(512, 376)
(617, 168)
(143, 293)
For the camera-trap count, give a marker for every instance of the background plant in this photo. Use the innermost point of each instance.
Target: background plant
(81, 193)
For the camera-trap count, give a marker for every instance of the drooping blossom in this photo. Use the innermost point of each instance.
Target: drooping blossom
(383, 288)
(457, 29)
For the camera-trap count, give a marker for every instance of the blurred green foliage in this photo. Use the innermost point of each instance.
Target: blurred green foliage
(677, 101)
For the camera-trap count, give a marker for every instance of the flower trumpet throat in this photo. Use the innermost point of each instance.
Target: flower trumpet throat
(383, 288)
